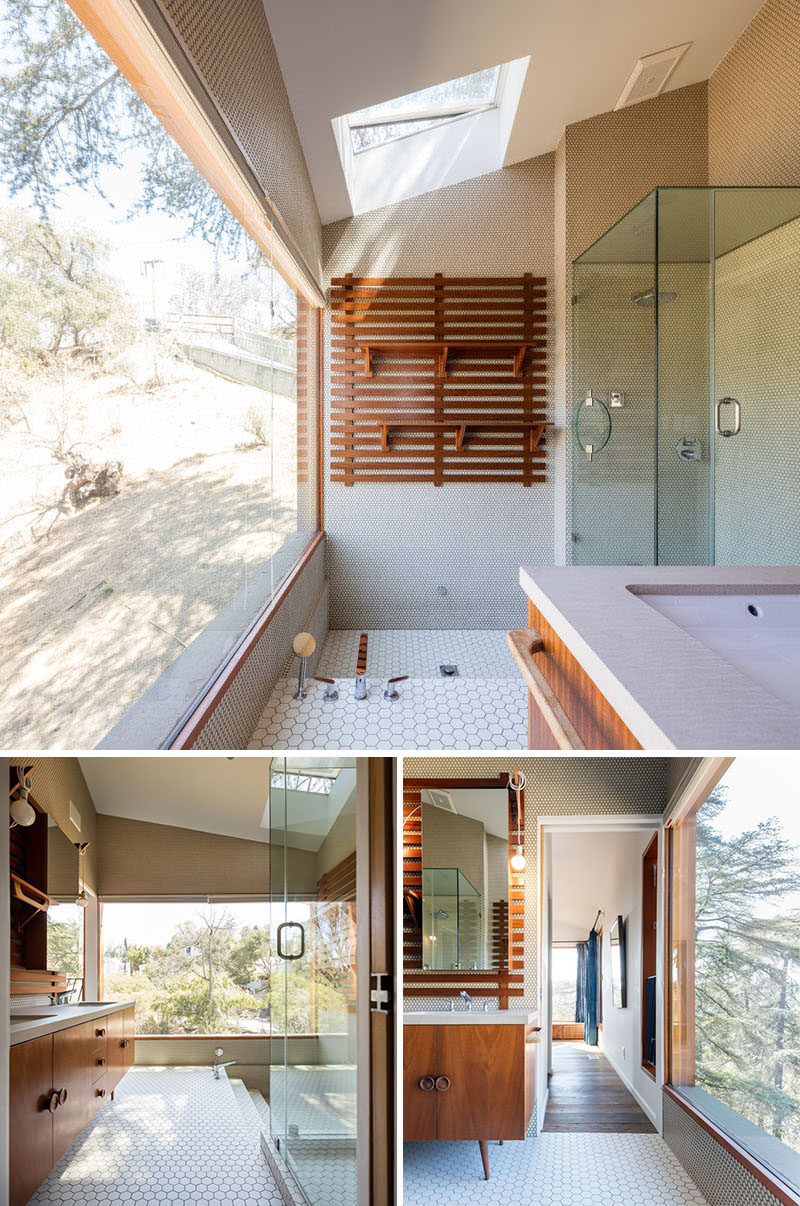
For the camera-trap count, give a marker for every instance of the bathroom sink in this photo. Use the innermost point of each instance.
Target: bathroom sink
(92, 1004)
(31, 1017)
(755, 630)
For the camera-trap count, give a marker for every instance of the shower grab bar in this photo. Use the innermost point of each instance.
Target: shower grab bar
(524, 643)
(291, 925)
(737, 417)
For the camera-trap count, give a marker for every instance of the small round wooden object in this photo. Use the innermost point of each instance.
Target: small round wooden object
(426, 1083)
(304, 644)
(442, 1083)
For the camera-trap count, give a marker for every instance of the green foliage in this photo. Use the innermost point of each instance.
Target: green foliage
(69, 117)
(56, 291)
(747, 985)
(63, 947)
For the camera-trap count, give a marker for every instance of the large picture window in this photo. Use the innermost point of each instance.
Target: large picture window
(158, 397)
(190, 968)
(735, 961)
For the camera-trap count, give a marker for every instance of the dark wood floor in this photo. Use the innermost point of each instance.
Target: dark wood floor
(587, 1095)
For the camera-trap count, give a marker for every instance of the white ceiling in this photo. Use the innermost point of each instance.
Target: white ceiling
(339, 57)
(214, 795)
(586, 867)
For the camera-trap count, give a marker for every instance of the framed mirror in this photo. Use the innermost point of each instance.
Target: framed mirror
(619, 970)
(464, 905)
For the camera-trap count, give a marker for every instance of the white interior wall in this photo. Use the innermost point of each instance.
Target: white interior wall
(592, 871)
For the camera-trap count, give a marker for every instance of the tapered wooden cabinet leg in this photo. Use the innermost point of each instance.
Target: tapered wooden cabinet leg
(501, 1142)
(484, 1146)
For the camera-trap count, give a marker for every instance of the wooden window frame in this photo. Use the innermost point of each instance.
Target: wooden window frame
(649, 860)
(696, 791)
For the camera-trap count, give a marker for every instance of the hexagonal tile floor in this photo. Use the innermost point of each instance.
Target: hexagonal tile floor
(552, 1170)
(485, 707)
(173, 1135)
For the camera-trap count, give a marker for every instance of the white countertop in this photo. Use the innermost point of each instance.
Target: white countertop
(669, 689)
(35, 1021)
(463, 1017)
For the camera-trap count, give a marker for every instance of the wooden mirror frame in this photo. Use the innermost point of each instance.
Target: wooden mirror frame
(506, 979)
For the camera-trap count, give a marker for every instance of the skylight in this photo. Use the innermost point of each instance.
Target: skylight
(315, 784)
(429, 139)
(425, 109)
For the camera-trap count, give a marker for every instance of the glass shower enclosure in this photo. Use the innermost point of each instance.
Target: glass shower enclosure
(452, 931)
(685, 379)
(313, 1019)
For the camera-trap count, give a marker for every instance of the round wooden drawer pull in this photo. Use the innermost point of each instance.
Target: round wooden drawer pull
(62, 1096)
(427, 1083)
(442, 1084)
(52, 1103)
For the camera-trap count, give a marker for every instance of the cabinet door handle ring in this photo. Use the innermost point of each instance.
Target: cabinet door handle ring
(52, 1103)
(442, 1084)
(62, 1096)
(426, 1083)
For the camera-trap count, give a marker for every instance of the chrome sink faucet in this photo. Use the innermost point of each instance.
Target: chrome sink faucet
(467, 998)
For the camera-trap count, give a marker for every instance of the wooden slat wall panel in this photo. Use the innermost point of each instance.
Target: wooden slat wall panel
(503, 982)
(439, 309)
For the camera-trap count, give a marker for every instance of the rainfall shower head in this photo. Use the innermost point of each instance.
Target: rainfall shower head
(648, 297)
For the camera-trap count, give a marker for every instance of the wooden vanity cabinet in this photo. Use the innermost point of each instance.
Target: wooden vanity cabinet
(30, 1122)
(120, 1047)
(463, 1081)
(72, 1071)
(82, 1064)
(595, 721)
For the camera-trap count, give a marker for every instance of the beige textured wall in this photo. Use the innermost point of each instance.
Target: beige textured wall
(754, 102)
(384, 573)
(141, 859)
(56, 781)
(231, 48)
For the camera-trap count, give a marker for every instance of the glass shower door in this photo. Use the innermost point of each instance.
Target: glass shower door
(756, 360)
(313, 987)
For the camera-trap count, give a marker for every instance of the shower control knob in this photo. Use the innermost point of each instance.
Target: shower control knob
(391, 691)
(427, 1083)
(442, 1084)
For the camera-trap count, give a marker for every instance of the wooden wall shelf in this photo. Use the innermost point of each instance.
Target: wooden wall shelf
(441, 353)
(461, 393)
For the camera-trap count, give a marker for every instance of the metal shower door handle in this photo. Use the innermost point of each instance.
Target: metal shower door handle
(291, 925)
(737, 417)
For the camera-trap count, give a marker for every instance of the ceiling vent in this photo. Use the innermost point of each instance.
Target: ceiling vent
(650, 75)
(440, 799)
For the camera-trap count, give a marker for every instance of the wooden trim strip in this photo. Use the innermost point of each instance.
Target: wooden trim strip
(524, 643)
(783, 1192)
(140, 51)
(213, 697)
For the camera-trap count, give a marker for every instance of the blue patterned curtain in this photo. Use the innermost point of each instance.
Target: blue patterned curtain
(590, 992)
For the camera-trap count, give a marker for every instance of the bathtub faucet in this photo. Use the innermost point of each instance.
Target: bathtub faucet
(217, 1066)
(361, 668)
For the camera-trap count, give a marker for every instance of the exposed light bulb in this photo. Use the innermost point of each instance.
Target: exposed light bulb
(81, 901)
(518, 860)
(22, 813)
